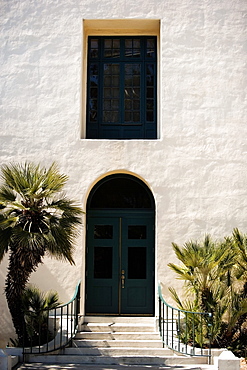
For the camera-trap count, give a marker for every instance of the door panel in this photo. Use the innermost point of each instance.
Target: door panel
(120, 265)
(102, 265)
(138, 264)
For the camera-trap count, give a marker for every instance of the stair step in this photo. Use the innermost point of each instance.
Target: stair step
(153, 343)
(116, 360)
(117, 327)
(117, 336)
(118, 319)
(117, 351)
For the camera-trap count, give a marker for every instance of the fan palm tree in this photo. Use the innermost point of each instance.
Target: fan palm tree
(36, 307)
(35, 219)
(207, 272)
(204, 264)
(213, 272)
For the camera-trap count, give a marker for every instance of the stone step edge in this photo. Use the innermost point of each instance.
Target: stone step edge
(119, 332)
(119, 348)
(117, 359)
(141, 341)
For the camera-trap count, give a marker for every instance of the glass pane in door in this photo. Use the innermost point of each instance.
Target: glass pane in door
(102, 262)
(137, 232)
(137, 263)
(103, 231)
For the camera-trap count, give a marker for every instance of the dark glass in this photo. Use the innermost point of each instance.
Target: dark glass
(111, 48)
(150, 93)
(150, 116)
(94, 48)
(121, 193)
(132, 48)
(150, 48)
(132, 93)
(137, 232)
(102, 263)
(111, 90)
(137, 263)
(103, 231)
(93, 92)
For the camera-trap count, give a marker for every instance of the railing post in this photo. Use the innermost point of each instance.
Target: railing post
(160, 315)
(178, 331)
(210, 315)
(167, 324)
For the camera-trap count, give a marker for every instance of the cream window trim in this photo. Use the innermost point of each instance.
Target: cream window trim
(113, 27)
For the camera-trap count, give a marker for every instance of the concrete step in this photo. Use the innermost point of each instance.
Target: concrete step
(117, 327)
(117, 336)
(117, 360)
(47, 366)
(117, 351)
(118, 319)
(151, 343)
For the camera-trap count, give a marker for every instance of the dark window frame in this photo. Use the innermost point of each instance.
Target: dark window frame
(143, 61)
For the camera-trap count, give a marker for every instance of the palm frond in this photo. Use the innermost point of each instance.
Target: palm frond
(7, 194)
(5, 236)
(53, 181)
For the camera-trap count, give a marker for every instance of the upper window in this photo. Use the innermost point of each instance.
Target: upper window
(121, 95)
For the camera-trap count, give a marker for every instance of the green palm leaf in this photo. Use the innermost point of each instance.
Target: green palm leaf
(35, 219)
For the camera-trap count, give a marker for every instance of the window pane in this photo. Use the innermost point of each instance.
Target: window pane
(94, 48)
(150, 92)
(150, 48)
(136, 43)
(93, 92)
(150, 104)
(150, 116)
(111, 90)
(111, 48)
(136, 117)
(103, 231)
(133, 48)
(114, 104)
(128, 104)
(102, 262)
(132, 93)
(115, 81)
(115, 92)
(107, 104)
(136, 104)
(93, 110)
(137, 263)
(137, 232)
(128, 117)
(107, 92)
(107, 81)
(108, 43)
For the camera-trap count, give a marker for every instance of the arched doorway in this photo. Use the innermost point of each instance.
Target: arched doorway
(120, 247)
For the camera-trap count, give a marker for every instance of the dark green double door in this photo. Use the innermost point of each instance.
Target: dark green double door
(120, 264)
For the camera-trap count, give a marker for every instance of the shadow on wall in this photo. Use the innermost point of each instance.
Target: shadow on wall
(43, 278)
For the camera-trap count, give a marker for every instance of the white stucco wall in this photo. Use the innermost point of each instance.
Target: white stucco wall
(196, 169)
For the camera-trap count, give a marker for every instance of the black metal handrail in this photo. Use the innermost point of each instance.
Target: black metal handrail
(186, 332)
(54, 328)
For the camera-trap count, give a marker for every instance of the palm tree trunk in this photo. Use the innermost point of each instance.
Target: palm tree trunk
(21, 265)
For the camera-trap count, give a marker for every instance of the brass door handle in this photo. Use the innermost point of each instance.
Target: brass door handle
(122, 279)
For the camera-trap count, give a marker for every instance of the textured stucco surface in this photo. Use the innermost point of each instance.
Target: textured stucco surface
(196, 169)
